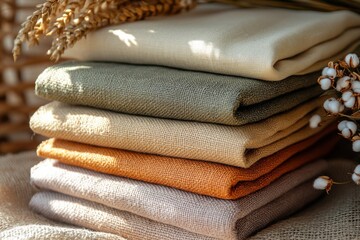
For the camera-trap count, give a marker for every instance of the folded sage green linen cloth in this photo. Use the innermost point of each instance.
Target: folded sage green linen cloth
(172, 93)
(239, 146)
(337, 216)
(188, 211)
(17, 221)
(262, 43)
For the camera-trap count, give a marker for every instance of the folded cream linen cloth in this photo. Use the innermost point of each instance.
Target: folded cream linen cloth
(17, 221)
(262, 43)
(337, 216)
(201, 177)
(172, 93)
(239, 146)
(191, 212)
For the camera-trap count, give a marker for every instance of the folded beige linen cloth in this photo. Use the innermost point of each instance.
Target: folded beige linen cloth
(262, 43)
(192, 212)
(337, 216)
(239, 146)
(17, 221)
(172, 93)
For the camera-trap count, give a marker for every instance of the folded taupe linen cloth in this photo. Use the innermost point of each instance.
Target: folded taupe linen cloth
(101, 218)
(188, 211)
(17, 221)
(263, 43)
(337, 216)
(239, 146)
(172, 93)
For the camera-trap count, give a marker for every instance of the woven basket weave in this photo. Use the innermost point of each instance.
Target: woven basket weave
(17, 101)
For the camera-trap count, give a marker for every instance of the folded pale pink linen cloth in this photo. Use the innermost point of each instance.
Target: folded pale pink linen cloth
(239, 146)
(195, 213)
(17, 221)
(262, 43)
(98, 217)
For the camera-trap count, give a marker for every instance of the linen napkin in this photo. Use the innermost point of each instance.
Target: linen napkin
(238, 146)
(262, 43)
(336, 216)
(172, 93)
(199, 177)
(101, 218)
(17, 221)
(192, 212)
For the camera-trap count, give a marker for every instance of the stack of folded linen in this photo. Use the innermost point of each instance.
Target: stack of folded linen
(152, 152)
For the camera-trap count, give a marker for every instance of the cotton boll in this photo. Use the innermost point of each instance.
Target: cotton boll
(350, 103)
(323, 183)
(356, 175)
(343, 84)
(347, 128)
(356, 178)
(356, 146)
(346, 96)
(349, 99)
(335, 107)
(325, 84)
(357, 169)
(329, 72)
(342, 125)
(355, 85)
(323, 73)
(326, 103)
(352, 60)
(346, 133)
(315, 121)
(352, 126)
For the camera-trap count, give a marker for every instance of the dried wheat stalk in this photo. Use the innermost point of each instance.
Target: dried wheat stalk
(70, 20)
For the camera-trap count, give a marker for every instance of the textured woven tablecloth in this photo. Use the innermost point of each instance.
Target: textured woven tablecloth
(172, 93)
(239, 146)
(263, 43)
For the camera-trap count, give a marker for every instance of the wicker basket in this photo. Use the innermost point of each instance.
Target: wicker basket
(17, 101)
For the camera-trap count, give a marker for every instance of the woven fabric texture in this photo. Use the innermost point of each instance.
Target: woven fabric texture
(171, 93)
(199, 177)
(192, 212)
(337, 216)
(101, 218)
(239, 146)
(82, 213)
(255, 43)
(17, 221)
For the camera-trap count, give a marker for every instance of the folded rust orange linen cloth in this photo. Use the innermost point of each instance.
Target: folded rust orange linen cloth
(200, 177)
